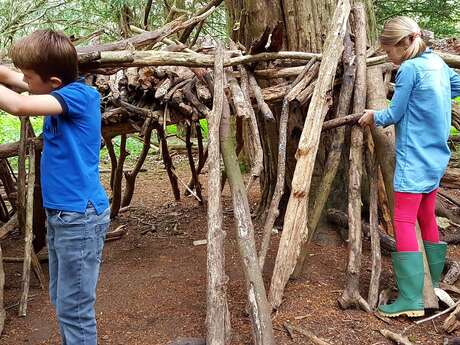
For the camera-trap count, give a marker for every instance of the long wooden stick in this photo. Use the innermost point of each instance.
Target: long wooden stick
(21, 182)
(217, 314)
(130, 176)
(263, 107)
(128, 58)
(147, 38)
(260, 311)
(373, 173)
(313, 338)
(118, 177)
(28, 232)
(273, 211)
(167, 160)
(2, 284)
(351, 296)
(335, 154)
(348, 120)
(192, 163)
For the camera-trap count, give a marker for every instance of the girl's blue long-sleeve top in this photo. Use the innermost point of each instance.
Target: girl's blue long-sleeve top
(421, 112)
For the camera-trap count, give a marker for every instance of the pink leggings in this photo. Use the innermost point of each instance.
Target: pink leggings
(410, 208)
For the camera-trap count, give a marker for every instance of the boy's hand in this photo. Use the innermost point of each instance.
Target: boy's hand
(367, 120)
(13, 79)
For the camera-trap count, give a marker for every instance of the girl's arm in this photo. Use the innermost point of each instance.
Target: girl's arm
(454, 83)
(405, 80)
(20, 105)
(13, 79)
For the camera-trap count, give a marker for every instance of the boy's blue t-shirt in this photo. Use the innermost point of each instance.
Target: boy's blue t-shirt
(421, 112)
(70, 159)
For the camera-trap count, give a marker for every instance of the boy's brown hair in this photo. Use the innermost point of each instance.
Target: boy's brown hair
(48, 53)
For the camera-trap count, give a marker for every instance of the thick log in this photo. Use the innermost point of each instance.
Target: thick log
(451, 178)
(340, 218)
(453, 60)
(334, 157)
(28, 234)
(351, 297)
(217, 314)
(128, 58)
(260, 311)
(295, 231)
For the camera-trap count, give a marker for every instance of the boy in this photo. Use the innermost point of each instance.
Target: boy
(76, 204)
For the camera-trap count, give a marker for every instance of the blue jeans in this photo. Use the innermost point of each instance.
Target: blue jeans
(75, 243)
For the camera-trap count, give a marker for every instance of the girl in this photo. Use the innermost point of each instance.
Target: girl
(421, 112)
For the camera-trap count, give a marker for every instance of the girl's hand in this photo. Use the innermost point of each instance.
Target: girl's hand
(367, 120)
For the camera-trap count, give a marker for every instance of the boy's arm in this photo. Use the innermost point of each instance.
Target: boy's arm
(13, 79)
(34, 105)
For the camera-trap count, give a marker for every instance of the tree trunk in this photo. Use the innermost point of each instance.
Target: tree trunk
(296, 232)
(305, 25)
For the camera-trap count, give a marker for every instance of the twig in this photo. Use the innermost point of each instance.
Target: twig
(418, 322)
(313, 338)
(397, 338)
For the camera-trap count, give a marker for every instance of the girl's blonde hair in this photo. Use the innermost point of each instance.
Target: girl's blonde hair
(403, 31)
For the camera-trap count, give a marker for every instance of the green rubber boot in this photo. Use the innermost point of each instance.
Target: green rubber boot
(408, 270)
(436, 256)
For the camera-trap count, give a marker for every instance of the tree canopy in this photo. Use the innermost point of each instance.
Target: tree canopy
(104, 19)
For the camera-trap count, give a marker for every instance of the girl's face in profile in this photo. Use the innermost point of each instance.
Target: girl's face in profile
(394, 53)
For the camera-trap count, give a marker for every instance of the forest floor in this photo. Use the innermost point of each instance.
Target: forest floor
(152, 287)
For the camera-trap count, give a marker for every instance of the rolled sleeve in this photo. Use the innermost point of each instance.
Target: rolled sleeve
(405, 81)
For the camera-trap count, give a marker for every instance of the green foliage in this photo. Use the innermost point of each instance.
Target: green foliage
(204, 128)
(81, 18)
(440, 16)
(133, 146)
(10, 127)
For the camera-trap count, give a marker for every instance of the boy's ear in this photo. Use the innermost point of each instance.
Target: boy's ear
(56, 82)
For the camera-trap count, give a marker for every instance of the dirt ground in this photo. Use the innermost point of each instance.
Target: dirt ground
(152, 287)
